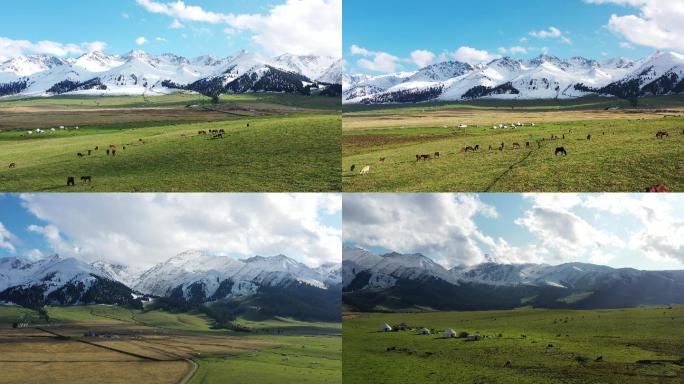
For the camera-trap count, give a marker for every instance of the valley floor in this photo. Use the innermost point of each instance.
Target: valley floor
(270, 143)
(638, 345)
(622, 155)
(109, 344)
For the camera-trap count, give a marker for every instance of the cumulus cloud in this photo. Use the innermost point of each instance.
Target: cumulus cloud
(10, 48)
(472, 56)
(142, 40)
(422, 58)
(143, 229)
(7, 239)
(296, 26)
(551, 33)
(657, 25)
(439, 224)
(376, 61)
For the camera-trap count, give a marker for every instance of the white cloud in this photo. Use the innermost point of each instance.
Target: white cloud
(440, 224)
(143, 229)
(142, 40)
(658, 24)
(10, 48)
(175, 24)
(472, 55)
(422, 58)
(161, 40)
(551, 33)
(626, 45)
(382, 62)
(297, 26)
(6, 239)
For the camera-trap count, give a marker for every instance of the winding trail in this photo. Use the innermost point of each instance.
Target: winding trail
(188, 376)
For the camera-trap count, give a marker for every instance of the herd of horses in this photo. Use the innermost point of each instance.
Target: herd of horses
(560, 150)
(111, 151)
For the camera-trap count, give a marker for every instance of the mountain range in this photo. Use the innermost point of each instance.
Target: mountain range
(140, 73)
(397, 281)
(189, 279)
(544, 77)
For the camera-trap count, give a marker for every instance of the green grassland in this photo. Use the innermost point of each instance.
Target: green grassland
(622, 155)
(292, 144)
(162, 344)
(559, 346)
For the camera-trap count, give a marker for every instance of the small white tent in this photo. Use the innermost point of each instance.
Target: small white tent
(449, 333)
(424, 331)
(385, 328)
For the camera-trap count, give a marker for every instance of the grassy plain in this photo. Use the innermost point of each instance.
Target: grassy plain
(162, 347)
(638, 345)
(292, 143)
(622, 155)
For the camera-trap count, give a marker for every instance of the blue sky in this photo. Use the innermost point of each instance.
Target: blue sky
(643, 231)
(145, 229)
(564, 28)
(189, 28)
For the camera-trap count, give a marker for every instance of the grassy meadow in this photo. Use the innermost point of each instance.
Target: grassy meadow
(162, 347)
(623, 154)
(637, 345)
(291, 144)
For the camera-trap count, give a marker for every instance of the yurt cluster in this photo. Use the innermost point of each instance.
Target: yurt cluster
(446, 334)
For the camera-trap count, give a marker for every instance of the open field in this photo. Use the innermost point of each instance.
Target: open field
(291, 144)
(622, 155)
(639, 345)
(153, 346)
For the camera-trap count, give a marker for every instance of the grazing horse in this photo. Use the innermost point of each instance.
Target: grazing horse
(662, 135)
(86, 179)
(79, 154)
(12, 165)
(113, 152)
(382, 159)
(70, 181)
(562, 151)
(97, 148)
(436, 155)
(365, 170)
(588, 137)
(468, 149)
(112, 146)
(527, 144)
(426, 157)
(353, 167)
(477, 147)
(657, 188)
(516, 146)
(417, 157)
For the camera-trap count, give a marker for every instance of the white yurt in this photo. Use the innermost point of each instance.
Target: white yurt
(449, 333)
(385, 328)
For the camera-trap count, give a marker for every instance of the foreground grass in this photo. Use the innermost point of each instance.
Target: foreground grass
(623, 155)
(155, 346)
(548, 353)
(294, 153)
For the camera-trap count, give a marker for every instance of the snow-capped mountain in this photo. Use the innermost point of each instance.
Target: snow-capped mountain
(221, 277)
(544, 77)
(492, 285)
(137, 73)
(58, 281)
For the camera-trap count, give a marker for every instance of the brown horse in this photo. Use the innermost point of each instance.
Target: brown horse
(516, 145)
(562, 151)
(12, 165)
(426, 157)
(662, 135)
(657, 188)
(382, 159)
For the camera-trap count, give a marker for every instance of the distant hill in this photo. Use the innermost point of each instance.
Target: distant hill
(399, 282)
